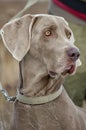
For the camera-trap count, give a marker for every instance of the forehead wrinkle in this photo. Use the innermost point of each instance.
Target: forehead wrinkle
(52, 26)
(50, 20)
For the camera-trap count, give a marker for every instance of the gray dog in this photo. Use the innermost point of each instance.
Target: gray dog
(43, 45)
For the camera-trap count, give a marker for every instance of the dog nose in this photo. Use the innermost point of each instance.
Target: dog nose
(73, 53)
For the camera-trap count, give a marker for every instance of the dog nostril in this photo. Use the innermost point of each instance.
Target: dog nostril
(73, 53)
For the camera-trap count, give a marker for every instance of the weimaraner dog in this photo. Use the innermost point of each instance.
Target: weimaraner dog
(44, 46)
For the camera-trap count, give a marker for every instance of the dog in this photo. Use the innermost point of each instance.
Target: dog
(44, 47)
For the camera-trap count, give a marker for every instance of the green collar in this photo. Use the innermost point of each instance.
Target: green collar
(39, 100)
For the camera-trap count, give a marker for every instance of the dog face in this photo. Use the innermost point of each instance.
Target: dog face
(45, 37)
(53, 43)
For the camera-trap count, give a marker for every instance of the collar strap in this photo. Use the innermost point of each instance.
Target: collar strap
(39, 100)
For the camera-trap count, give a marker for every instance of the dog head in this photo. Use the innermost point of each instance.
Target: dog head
(49, 38)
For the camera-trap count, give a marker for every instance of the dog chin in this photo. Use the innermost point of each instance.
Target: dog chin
(52, 74)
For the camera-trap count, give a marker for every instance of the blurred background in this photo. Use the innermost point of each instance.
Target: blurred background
(75, 85)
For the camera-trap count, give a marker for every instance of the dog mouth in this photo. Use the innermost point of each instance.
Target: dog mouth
(69, 70)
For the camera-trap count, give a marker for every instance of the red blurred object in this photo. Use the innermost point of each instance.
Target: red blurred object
(77, 8)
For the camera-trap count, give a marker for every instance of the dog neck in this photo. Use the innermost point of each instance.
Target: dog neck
(35, 80)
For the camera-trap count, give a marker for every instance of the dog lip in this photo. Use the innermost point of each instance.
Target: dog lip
(69, 70)
(52, 74)
(72, 69)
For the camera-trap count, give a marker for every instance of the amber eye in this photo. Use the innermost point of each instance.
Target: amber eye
(68, 33)
(48, 33)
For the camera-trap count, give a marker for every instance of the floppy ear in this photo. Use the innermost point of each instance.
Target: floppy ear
(16, 36)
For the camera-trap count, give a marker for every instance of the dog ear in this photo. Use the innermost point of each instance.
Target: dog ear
(16, 36)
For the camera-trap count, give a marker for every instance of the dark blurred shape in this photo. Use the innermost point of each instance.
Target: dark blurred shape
(72, 10)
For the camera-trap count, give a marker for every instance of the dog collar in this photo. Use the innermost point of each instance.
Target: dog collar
(39, 100)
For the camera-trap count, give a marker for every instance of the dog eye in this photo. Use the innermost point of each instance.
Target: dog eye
(68, 33)
(48, 33)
